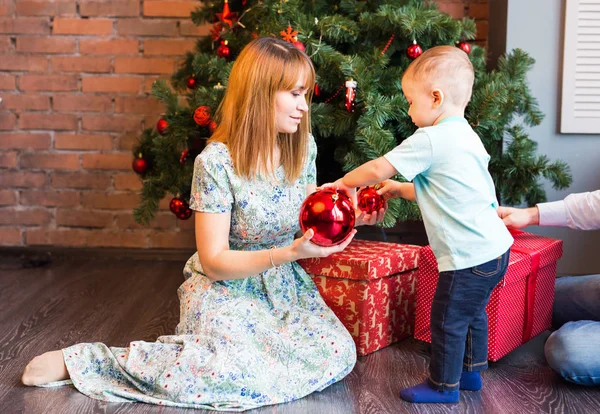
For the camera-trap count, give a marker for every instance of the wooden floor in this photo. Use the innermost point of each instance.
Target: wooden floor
(117, 300)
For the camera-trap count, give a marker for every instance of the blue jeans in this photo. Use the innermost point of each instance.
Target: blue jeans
(459, 324)
(574, 349)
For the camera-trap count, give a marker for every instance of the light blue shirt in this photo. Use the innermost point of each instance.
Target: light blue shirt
(455, 193)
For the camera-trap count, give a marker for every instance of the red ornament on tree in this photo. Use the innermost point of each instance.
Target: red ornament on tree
(212, 126)
(369, 201)
(350, 94)
(140, 165)
(184, 213)
(223, 50)
(414, 50)
(330, 214)
(180, 208)
(184, 156)
(192, 83)
(202, 115)
(317, 92)
(161, 126)
(299, 45)
(466, 47)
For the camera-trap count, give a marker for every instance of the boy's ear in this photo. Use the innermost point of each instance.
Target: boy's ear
(438, 97)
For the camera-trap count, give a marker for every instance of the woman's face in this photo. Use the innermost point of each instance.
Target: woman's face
(290, 107)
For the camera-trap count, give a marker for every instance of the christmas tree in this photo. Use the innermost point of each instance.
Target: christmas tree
(360, 50)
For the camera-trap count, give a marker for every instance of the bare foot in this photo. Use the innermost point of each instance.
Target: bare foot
(45, 368)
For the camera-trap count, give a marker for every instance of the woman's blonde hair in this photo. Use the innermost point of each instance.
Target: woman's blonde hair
(447, 66)
(246, 116)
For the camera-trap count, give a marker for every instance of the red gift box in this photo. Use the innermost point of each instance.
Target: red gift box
(520, 306)
(370, 286)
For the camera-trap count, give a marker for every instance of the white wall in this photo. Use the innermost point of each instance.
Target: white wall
(537, 27)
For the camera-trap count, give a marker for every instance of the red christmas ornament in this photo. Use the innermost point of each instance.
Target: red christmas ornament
(184, 156)
(289, 34)
(466, 47)
(350, 94)
(299, 45)
(330, 214)
(223, 50)
(161, 126)
(369, 201)
(140, 165)
(317, 92)
(192, 83)
(227, 17)
(185, 213)
(414, 50)
(202, 115)
(212, 126)
(180, 208)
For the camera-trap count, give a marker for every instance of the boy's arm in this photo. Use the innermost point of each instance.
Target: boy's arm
(370, 173)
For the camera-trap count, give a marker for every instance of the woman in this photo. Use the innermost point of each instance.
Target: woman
(253, 330)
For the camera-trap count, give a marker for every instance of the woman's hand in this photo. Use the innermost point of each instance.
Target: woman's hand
(365, 219)
(303, 248)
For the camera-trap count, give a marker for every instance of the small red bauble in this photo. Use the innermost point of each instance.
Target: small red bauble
(176, 205)
(184, 213)
(161, 126)
(369, 201)
(202, 115)
(466, 47)
(299, 45)
(212, 126)
(139, 165)
(414, 50)
(184, 156)
(223, 50)
(192, 83)
(330, 214)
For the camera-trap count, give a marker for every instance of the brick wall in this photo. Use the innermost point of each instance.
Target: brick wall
(75, 79)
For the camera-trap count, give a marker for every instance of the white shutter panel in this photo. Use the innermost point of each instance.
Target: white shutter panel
(581, 68)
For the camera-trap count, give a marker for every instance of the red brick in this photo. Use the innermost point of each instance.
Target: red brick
(103, 8)
(175, 47)
(110, 47)
(83, 218)
(138, 27)
(50, 161)
(22, 179)
(50, 198)
(111, 123)
(80, 64)
(118, 239)
(48, 83)
(86, 238)
(127, 182)
(164, 221)
(25, 25)
(26, 102)
(111, 84)
(186, 225)
(7, 82)
(144, 65)
(46, 8)
(107, 161)
(80, 180)
(82, 142)
(479, 10)
(8, 159)
(24, 141)
(456, 9)
(8, 197)
(25, 217)
(126, 142)
(171, 8)
(100, 200)
(83, 103)
(8, 121)
(145, 105)
(7, 7)
(188, 28)
(54, 121)
(35, 237)
(164, 203)
(173, 240)
(21, 62)
(482, 29)
(82, 26)
(5, 44)
(45, 45)
(10, 236)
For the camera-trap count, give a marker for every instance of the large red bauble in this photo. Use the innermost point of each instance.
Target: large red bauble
(139, 165)
(330, 214)
(202, 115)
(369, 201)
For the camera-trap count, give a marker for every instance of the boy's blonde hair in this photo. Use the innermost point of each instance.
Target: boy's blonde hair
(447, 67)
(246, 116)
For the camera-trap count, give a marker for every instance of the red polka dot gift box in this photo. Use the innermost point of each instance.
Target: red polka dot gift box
(370, 286)
(520, 306)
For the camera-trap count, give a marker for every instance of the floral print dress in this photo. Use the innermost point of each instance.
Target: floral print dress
(240, 343)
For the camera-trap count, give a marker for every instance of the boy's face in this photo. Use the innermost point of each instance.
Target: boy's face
(423, 109)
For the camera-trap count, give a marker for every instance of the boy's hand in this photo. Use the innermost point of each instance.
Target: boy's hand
(390, 189)
(339, 185)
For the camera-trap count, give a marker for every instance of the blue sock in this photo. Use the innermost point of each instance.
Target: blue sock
(423, 393)
(470, 381)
